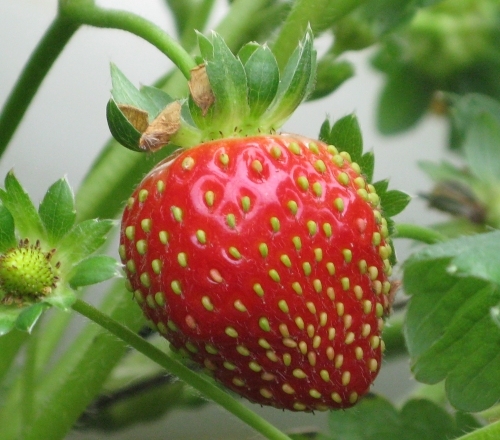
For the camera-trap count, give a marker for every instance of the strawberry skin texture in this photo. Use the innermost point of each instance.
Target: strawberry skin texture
(264, 259)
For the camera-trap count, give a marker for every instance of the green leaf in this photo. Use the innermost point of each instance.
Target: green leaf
(346, 136)
(93, 270)
(85, 238)
(7, 230)
(454, 285)
(331, 74)
(393, 202)
(295, 84)
(482, 147)
(464, 109)
(30, 316)
(121, 128)
(263, 78)
(367, 165)
(57, 210)
(19, 204)
(375, 418)
(404, 99)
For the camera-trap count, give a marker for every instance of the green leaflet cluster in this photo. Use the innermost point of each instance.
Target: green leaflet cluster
(250, 95)
(44, 254)
(345, 135)
(469, 193)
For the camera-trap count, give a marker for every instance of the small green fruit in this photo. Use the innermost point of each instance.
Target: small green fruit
(26, 273)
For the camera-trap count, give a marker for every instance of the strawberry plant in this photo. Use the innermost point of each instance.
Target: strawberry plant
(253, 264)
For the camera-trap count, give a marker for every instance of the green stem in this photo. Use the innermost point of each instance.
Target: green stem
(418, 233)
(90, 14)
(41, 60)
(319, 14)
(195, 380)
(29, 380)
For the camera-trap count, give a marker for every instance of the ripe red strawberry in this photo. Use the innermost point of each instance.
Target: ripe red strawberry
(264, 259)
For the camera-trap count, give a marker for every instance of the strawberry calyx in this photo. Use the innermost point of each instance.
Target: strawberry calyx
(230, 96)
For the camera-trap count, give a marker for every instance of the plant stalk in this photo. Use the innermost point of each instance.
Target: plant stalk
(41, 60)
(418, 233)
(93, 15)
(195, 380)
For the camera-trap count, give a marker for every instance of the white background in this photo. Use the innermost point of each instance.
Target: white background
(65, 128)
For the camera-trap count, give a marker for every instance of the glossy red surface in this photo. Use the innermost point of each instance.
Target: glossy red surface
(316, 349)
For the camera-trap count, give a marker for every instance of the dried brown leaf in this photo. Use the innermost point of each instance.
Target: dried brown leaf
(200, 88)
(136, 116)
(159, 132)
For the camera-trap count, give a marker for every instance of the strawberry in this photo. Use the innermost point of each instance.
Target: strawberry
(264, 259)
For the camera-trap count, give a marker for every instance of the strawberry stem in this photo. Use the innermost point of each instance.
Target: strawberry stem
(193, 379)
(71, 15)
(90, 14)
(50, 46)
(29, 382)
(418, 233)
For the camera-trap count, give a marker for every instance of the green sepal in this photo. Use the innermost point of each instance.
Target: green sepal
(376, 418)
(124, 92)
(7, 230)
(331, 74)
(367, 164)
(263, 78)
(85, 238)
(346, 136)
(453, 288)
(403, 101)
(381, 187)
(20, 318)
(229, 86)
(29, 316)
(296, 83)
(148, 99)
(121, 128)
(93, 270)
(393, 202)
(61, 297)
(57, 210)
(247, 51)
(324, 131)
(8, 317)
(19, 204)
